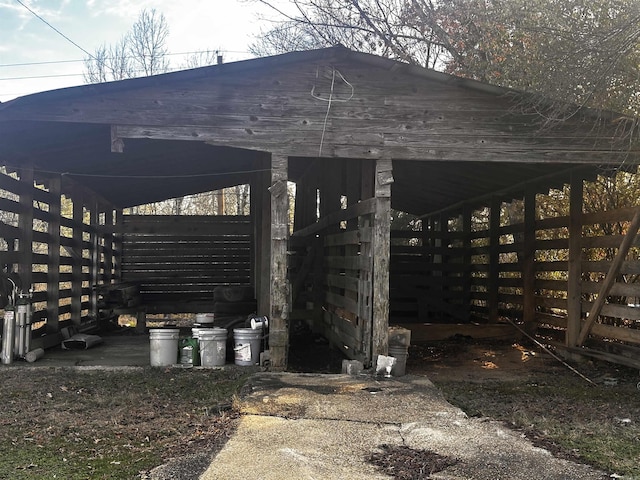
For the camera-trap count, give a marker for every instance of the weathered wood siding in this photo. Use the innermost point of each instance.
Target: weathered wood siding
(179, 260)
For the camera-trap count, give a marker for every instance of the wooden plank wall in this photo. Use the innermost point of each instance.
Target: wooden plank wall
(344, 274)
(425, 290)
(45, 237)
(332, 269)
(181, 259)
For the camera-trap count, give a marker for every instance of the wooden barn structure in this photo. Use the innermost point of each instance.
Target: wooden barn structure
(362, 137)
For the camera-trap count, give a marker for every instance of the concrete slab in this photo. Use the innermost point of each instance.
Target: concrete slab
(306, 426)
(116, 351)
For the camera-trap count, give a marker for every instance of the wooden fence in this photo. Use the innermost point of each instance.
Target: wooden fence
(50, 237)
(492, 272)
(334, 265)
(179, 260)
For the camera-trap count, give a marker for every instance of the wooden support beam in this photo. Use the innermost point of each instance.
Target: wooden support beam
(528, 262)
(574, 273)
(263, 239)
(94, 267)
(365, 281)
(25, 242)
(280, 301)
(610, 279)
(108, 246)
(381, 257)
(466, 259)
(76, 267)
(494, 258)
(117, 245)
(53, 262)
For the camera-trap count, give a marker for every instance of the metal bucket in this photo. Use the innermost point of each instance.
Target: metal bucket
(400, 353)
(164, 346)
(213, 346)
(247, 346)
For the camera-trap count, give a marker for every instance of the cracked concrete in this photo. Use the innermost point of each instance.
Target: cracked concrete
(308, 426)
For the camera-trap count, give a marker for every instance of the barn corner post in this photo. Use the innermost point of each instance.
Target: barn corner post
(528, 263)
(574, 274)
(279, 283)
(381, 256)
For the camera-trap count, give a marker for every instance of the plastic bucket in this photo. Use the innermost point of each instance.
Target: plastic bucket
(204, 317)
(400, 353)
(164, 346)
(213, 346)
(247, 346)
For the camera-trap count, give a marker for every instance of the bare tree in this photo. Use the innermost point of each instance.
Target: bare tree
(572, 52)
(140, 52)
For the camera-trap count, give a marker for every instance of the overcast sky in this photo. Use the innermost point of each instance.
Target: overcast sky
(194, 25)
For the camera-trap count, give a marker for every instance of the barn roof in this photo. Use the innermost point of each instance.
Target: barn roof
(451, 139)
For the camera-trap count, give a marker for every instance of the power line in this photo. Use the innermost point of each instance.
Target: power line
(34, 77)
(55, 29)
(54, 62)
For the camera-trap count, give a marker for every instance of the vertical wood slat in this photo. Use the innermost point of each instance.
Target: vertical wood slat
(264, 242)
(94, 215)
(494, 258)
(25, 225)
(108, 248)
(365, 283)
(53, 262)
(574, 286)
(528, 262)
(118, 247)
(352, 191)
(255, 216)
(466, 259)
(381, 256)
(280, 303)
(76, 267)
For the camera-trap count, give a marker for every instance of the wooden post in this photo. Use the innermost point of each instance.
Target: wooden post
(381, 256)
(610, 279)
(53, 262)
(365, 280)
(76, 267)
(466, 260)
(254, 211)
(494, 259)
(528, 263)
(25, 225)
(574, 274)
(94, 268)
(117, 246)
(108, 245)
(280, 303)
(261, 213)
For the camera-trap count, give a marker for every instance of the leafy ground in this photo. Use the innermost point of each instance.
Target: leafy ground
(79, 424)
(558, 410)
(74, 424)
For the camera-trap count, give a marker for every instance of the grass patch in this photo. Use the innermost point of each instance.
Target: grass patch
(73, 424)
(598, 425)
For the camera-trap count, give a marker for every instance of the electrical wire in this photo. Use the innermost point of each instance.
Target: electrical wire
(56, 30)
(141, 177)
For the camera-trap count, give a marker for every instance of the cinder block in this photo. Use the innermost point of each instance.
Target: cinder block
(352, 367)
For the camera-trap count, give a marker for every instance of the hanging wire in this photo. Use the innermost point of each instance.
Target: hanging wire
(330, 100)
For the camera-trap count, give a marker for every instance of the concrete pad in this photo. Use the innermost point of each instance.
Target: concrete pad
(304, 426)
